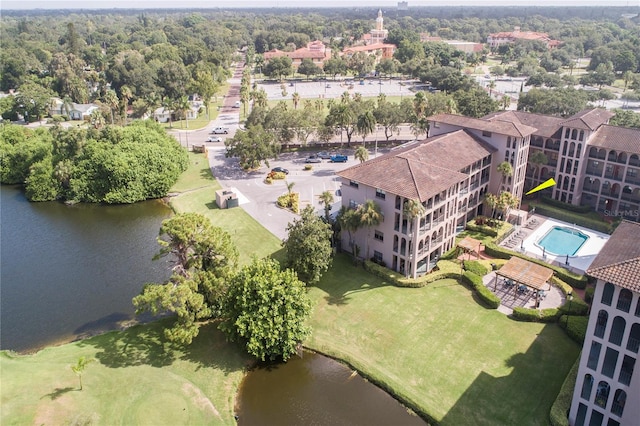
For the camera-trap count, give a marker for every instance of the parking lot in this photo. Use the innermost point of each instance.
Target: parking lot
(331, 89)
(259, 199)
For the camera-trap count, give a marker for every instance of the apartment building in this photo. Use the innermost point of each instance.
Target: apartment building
(607, 388)
(496, 40)
(446, 175)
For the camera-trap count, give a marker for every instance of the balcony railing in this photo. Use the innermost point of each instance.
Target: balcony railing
(613, 176)
(594, 171)
(631, 198)
(632, 180)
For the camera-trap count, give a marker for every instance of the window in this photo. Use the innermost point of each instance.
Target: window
(353, 204)
(378, 235)
(594, 355)
(617, 331)
(508, 141)
(602, 394)
(607, 294)
(581, 415)
(596, 418)
(587, 385)
(633, 343)
(353, 183)
(377, 256)
(486, 133)
(619, 400)
(626, 371)
(380, 194)
(624, 300)
(601, 323)
(609, 364)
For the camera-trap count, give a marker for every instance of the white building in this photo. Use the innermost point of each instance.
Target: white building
(607, 390)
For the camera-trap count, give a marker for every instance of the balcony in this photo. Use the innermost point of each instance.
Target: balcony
(613, 176)
(464, 191)
(631, 198)
(594, 171)
(633, 180)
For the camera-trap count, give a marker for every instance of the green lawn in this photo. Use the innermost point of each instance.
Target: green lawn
(439, 350)
(197, 189)
(135, 380)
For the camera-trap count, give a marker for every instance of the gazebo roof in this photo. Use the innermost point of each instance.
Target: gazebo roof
(469, 243)
(524, 272)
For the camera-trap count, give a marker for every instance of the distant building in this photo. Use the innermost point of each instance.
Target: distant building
(464, 46)
(496, 40)
(315, 50)
(403, 6)
(380, 50)
(379, 34)
(607, 389)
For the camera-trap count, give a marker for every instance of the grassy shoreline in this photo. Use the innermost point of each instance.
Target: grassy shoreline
(434, 348)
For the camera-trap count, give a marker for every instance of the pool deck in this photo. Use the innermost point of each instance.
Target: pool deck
(524, 240)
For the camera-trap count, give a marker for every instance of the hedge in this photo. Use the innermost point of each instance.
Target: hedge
(562, 404)
(475, 267)
(588, 294)
(575, 280)
(475, 282)
(444, 269)
(536, 315)
(575, 327)
(566, 206)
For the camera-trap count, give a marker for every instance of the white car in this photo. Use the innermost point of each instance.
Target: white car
(214, 139)
(219, 131)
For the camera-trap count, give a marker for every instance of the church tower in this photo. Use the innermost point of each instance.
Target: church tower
(379, 34)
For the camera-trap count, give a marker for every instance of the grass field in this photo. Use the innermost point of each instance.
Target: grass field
(135, 379)
(438, 349)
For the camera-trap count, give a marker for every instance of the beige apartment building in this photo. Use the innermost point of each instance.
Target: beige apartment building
(449, 173)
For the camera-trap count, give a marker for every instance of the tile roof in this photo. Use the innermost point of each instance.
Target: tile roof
(588, 119)
(619, 260)
(509, 128)
(421, 170)
(301, 53)
(547, 126)
(618, 138)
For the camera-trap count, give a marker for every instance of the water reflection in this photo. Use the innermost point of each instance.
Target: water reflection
(316, 390)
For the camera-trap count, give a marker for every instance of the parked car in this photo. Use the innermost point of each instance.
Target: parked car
(214, 139)
(280, 170)
(324, 155)
(219, 131)
(237, 104)
(313, 159)
(339, 158)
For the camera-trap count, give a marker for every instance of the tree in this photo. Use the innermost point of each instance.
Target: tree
(308, 68)
(183, 106)
(474, 103)
(308, 246)
(505, 169)
(296, 100)
(266, 309)
(80, 366)
(335, 66)
(252, 147)
(492, 202)
(370, 215)
(326, 199)
(505, 202)
(278, 67)
(33, 100)
(537, 159)
(204, 258)
(349, 220)
(366, 124)
(387, 67)
(111, 100)
(361, 154)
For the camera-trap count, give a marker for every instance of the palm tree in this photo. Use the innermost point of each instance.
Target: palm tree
(505, 102)
(366, 124)
(96, 119)
(412, 209)
(125, 94)
(349, 220)
(492, 202)
(345, 97)
(167, 105)
(370, 216)
(183, 106)
(361, 154)
(538, 159)
(289, 186)
(326, 199)
(111, 99)
(492, 85)
(505, 169)
(80, 366)
(296, 99)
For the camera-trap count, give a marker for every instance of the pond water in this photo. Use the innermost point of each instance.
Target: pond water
(316, 390)
(71, 271)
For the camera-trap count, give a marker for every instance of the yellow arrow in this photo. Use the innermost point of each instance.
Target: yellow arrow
(544, 185)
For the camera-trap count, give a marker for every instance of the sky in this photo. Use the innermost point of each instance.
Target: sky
(210, 4)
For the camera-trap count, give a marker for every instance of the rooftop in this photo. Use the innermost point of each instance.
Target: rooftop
(495, 125)
(619, 260)
(617, 138)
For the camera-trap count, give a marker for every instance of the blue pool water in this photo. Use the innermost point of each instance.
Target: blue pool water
(562, 241)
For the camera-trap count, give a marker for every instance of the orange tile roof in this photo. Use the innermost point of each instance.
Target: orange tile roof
(588, 119)
(509, 128)
(619, 260)
(617, 138)
(423, 169)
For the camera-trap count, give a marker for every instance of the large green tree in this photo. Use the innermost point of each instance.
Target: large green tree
(252, 147)
(204, 259)
(266, 309)
(308, 246)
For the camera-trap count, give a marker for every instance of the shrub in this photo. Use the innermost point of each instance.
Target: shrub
(276, 175)
(475, 267)
(562, 404)
(289, 201)
(536, 315)
(308, 167)
(268, 180)
(588, 294)
(575, 327)
(486, 296)
(444, 269)
(571, 217)
(566, 206)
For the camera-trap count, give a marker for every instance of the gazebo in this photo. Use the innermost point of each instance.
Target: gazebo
(520, 272)
(470, 245)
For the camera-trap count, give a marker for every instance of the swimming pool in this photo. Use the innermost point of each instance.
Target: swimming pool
(562, 241)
